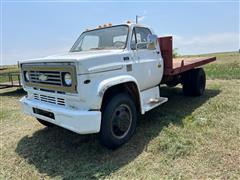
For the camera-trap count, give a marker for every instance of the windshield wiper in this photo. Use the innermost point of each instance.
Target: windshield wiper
(96, 48)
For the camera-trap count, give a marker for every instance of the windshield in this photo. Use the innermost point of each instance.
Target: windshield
(106, 38)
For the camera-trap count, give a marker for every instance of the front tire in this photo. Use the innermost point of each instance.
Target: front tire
(119, 119)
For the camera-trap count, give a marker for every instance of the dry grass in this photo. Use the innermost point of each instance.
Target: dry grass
(188, 138)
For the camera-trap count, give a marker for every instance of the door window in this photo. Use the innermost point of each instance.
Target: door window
(140, 35)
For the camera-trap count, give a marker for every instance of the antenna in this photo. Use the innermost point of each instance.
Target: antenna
(137, 19)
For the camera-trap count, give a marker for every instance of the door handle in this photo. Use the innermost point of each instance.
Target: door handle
(126, 58)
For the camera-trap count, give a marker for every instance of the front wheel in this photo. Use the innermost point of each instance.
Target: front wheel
(118, 121)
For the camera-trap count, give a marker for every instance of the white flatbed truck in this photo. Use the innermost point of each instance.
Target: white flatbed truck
(111, 74)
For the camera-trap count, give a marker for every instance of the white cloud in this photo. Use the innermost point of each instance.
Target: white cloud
(219, 42)
(13, 56)
(18, 53)
(143, 16)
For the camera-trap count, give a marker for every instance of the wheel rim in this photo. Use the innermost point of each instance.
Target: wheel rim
(121, 121)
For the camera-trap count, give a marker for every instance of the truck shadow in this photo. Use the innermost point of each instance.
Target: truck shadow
(60, 153)
(13, 92)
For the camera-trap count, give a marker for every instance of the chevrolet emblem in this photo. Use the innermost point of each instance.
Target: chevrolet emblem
(42, 77)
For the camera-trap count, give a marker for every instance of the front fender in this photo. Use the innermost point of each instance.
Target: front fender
(107, 83)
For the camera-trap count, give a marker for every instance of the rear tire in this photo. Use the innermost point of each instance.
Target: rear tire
(45, 123)
(194, 82)
(119, 119)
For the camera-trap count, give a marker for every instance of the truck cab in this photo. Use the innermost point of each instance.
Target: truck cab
(110, 75)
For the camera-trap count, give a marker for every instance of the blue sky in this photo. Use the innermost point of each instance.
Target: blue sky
(31, 30)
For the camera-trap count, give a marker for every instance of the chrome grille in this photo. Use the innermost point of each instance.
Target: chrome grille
(49, 99)
(49, 76)
(52, 77)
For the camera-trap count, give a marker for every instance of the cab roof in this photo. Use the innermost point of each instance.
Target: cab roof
(129, 24)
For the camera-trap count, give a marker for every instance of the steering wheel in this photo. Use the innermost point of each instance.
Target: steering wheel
(118, 44)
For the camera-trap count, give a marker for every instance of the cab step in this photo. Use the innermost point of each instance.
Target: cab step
(154, 103)
(151, 98)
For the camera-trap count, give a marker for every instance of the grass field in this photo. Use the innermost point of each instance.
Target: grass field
(186, 138)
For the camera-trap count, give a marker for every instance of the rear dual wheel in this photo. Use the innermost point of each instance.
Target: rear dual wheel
(194, 82)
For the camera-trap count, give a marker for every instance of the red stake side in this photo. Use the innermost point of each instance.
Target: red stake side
(176, 66)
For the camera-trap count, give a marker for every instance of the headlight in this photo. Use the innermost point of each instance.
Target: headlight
(67, 79)
(26, 76)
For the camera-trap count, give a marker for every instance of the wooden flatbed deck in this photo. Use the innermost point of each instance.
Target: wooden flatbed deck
(183, 64)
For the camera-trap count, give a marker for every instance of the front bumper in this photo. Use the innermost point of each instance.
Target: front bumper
(82, 122)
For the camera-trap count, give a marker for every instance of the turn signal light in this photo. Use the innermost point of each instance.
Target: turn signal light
(105, 25)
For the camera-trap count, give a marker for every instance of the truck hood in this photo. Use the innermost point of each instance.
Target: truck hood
(74, 56)
(88, 61)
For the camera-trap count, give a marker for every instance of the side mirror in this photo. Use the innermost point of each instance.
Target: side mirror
(152, 38)
(150, 44)
(152, 41)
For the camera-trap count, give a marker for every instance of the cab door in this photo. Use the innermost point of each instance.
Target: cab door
(148, 66)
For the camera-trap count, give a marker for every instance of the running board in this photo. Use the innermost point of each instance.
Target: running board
(154, 103)
(151, 98)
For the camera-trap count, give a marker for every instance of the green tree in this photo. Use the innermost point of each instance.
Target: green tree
(175, 53)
